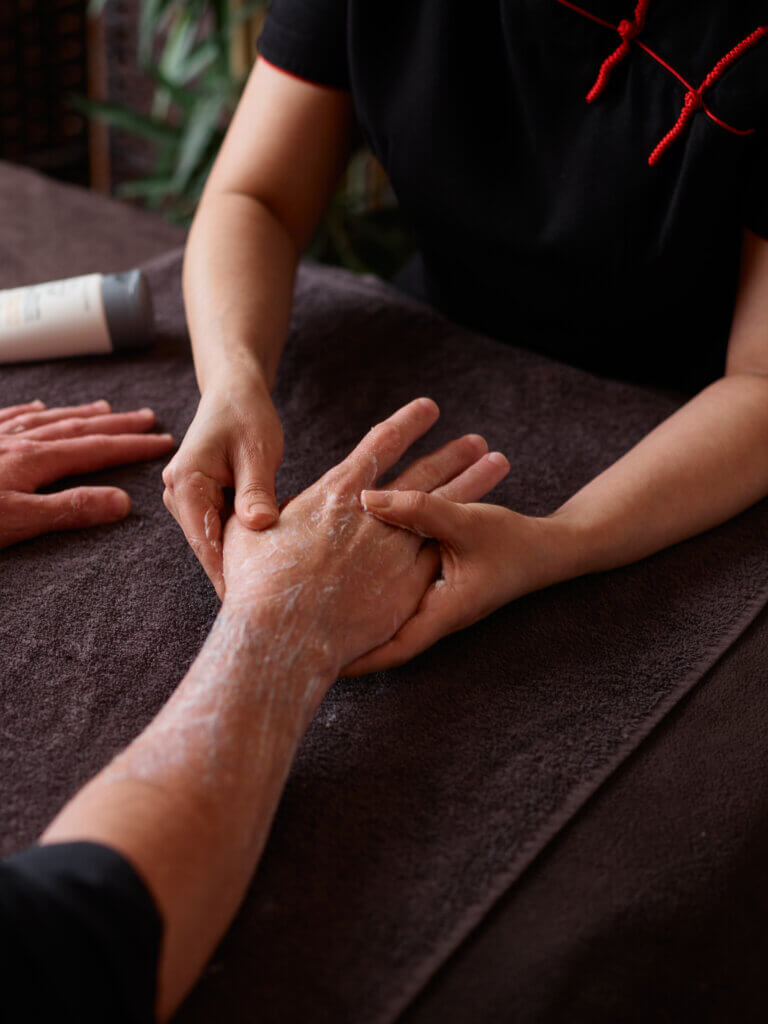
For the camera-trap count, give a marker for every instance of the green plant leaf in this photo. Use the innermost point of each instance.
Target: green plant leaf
(204, 56)
(152, 17)
(181, 38)
(201, 130)
(145, 188)
(180, 95)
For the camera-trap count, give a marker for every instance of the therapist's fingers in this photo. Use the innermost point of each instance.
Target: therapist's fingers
(197, 503)
(439, 614)
(83, 426)
(29, 515)
(10, 411)
(387, 442)
(441, 466)
(28, 420)
(42, 462)
(426, 572)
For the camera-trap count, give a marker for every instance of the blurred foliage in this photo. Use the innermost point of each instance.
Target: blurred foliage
(185, 47)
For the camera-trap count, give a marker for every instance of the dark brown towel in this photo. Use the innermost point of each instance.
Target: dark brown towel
(419, 796)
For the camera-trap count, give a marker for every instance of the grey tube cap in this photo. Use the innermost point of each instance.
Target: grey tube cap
(128, 308)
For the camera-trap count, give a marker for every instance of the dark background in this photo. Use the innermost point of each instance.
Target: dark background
(49, 49)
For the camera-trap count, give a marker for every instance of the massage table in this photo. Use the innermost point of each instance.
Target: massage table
(558, 815)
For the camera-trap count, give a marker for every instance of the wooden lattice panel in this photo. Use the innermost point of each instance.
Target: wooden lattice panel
(43, 58)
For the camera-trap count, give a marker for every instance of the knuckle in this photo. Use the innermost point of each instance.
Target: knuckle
(416, 501)
(185, 479)
(386, 435)
(74, 426)
(77, 503)
(257, 489)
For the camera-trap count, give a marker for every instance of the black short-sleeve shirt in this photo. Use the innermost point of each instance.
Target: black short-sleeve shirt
(79, 938)
(539, 217)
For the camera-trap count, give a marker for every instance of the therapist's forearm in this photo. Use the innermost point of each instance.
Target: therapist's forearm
(238, 276)
(698, 468)
(190, 802)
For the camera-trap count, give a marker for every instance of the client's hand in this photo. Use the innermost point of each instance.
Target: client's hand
(340, 582)
(39, 445)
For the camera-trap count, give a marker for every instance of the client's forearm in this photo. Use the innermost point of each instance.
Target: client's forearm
(701, 466)
(190, 802)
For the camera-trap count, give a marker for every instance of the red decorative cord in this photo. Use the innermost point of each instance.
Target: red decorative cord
(628, 30)
(694, 97)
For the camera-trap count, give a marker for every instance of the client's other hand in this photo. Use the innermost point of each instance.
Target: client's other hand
(341, 582)
(39, 446)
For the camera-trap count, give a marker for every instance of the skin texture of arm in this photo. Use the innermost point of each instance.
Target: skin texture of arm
(287, 145)
(698, 468)
(39, 446)
(190, 802)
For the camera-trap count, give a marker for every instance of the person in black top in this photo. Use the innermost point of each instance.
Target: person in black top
(113, 914)
(585, 179)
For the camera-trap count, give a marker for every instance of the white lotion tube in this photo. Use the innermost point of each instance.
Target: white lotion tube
(95, 314)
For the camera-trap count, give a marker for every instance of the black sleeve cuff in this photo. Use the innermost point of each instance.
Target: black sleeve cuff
(79, 936)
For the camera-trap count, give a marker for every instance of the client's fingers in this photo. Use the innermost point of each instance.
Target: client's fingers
(29, 515)
(474, 483)
(430, 471)
(29, 420)
(83, 426)
(47, 461)
(387, 442)
(11, 411)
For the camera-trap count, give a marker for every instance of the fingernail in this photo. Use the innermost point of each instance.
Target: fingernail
(167, 437)
(39, 403)
(498, 459)
(146, 411)
(426, 403)
(375, 499)
(102, 403)
(120, 504)
(261, 514)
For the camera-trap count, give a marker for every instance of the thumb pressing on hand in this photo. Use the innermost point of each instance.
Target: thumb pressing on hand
(255, 500)
(429, 515)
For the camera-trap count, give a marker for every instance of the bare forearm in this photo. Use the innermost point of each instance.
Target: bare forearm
(238, 276)
(190, 802)
(700, 467)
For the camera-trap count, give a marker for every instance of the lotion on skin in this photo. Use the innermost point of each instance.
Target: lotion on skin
(95, 314)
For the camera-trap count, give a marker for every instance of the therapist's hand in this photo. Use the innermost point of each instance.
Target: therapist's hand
(235, 440)
(490, 555)
(39, 446)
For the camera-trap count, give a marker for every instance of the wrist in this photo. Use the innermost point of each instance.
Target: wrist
(234, 372)
(565, 545)
(260, 635)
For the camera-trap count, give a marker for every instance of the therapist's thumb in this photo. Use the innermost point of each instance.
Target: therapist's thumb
(426, 514)
(255, 500)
